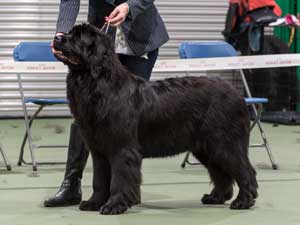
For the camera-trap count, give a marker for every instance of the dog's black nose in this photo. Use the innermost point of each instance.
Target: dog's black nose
(58, 41)
(59, 38)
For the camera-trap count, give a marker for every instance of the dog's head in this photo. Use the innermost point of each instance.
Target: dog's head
(82, 46)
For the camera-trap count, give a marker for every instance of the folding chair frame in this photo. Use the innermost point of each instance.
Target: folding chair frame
(6, 162)
(257, 121)
(28, 136)
(257, 114)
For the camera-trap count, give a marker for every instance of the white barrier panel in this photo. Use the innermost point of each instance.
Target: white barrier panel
(32, 67)
(228, 63)
(172, 65)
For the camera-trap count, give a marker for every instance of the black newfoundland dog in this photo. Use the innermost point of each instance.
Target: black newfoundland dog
(124, 119)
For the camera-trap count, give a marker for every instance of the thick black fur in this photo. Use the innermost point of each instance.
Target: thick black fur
(124, 119)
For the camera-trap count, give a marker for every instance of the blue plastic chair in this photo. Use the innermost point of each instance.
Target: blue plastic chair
(188, 50)
(29, 52)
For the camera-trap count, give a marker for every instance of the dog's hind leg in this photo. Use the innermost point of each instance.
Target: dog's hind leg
(231, 157)
(223, 187)
(245, 176)
(101, 184)
(125, 181)
(223, 183)
(234, 160)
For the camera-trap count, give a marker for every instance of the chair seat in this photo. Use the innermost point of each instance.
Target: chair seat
(256, 100)
(46, 101)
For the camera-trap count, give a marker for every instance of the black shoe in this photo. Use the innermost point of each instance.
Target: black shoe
(68, 194)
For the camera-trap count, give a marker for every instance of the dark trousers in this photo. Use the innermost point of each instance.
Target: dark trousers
(77, 155)
(140, 66)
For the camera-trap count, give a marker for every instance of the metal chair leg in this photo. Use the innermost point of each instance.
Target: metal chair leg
(26, 136)
(34, 166)
(187, 161)
(257, 116)
(257, 121)
(266, 145)
(6, 162)
(21, 155)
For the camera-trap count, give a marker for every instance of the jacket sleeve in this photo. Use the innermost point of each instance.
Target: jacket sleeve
(68, 11)
(137, 7)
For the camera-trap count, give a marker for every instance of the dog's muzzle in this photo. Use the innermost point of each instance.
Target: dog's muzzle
(58, 42)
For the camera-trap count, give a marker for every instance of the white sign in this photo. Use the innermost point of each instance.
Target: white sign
(172, 65)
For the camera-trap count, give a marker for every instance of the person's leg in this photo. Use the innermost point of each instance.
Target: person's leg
(140, 66)
(69, 192)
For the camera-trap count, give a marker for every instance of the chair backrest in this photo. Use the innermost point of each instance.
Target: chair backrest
(210, 49)
(42, 88)
(203, 49)
(33, 51)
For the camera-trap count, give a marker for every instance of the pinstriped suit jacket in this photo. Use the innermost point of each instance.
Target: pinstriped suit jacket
(143, 27)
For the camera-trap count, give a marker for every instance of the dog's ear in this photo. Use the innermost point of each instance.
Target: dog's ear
(87, 35)
(101, 62)
(97, 60)
(88, 40)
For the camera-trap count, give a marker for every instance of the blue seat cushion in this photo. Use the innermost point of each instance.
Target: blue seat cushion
(46, 101)
(33, 51)
(256, 100)
(206, 49)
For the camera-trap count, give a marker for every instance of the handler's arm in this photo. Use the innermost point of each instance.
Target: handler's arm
(68, 11)
(137, 7)
(130, 10)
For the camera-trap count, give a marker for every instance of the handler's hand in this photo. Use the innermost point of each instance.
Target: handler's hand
(118, 15)
(53, 49)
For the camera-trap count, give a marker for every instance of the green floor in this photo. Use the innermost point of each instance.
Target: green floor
(170, 194)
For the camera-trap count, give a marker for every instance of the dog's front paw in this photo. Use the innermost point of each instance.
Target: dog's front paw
(90, 206)
(113, 209)
(242, 204)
